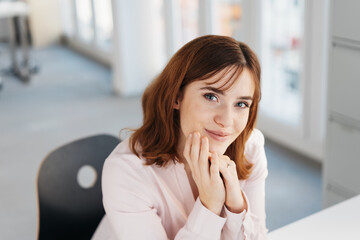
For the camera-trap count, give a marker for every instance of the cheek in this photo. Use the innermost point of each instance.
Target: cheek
(192, 118)
(241, 122)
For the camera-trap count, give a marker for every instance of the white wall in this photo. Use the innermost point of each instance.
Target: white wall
(135, 52)
(45, 22)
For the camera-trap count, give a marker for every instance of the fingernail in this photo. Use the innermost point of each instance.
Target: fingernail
(190, 135)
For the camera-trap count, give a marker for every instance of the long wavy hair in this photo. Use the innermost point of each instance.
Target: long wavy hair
(199, 59)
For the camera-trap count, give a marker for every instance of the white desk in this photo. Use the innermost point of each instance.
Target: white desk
(341, 221)
(13, 9)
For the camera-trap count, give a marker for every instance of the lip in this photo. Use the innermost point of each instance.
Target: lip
(218, 135)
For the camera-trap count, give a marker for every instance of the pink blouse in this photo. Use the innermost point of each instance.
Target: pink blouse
(149, 202)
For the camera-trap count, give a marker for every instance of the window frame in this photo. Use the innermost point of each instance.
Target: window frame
(90, 48)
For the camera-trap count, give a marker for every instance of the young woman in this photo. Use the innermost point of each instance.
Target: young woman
(196, 168)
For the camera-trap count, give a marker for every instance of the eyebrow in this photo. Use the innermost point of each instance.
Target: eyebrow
(221, 92)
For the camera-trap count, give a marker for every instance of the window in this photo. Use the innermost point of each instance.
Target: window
(88, 27)
(189, 12)
(84, 20)
(228, 17)
(281, 55)
(103, 22)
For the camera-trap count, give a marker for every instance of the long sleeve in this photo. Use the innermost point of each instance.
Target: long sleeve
(130, 202)
(132, 215)
(251, 224)
(146, 224)
(201, 224)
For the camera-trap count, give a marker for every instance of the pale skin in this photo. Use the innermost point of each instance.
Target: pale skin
(211, 119)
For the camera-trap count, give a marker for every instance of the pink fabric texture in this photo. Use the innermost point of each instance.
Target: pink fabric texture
(149, 202)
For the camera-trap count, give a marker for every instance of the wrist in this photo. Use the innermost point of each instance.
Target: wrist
(217, 210)
(237, 206)
(236, 209)
(213, 207)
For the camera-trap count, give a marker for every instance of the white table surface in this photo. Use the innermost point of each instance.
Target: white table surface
(13, 9)
(341, 221)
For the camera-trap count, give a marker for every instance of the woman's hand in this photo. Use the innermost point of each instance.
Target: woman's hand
(206, 176)
(234, 200)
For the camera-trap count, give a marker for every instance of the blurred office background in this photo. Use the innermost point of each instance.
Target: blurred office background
(90, 60)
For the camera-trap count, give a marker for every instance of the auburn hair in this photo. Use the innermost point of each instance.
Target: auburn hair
(199, 59)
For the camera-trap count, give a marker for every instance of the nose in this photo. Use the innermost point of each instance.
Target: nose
(224, 116)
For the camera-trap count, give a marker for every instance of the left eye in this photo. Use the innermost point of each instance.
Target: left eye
(242, 105)
(210, 97)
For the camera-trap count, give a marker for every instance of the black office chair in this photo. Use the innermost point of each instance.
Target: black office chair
(66, 209)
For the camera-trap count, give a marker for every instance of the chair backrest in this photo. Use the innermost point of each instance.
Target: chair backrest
(66, 209)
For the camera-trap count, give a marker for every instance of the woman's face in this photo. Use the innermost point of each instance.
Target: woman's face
(220, 115)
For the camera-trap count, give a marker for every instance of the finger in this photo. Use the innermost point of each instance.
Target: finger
(195, 151)
(187, 150)
(195, 147)
(226, 162)
(222, 166)
(227, 170)
(204, 158)
(214, 167)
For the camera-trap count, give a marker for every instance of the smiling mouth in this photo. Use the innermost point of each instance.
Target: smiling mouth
(218, 136)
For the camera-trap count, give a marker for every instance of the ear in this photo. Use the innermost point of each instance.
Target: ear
(177, 101)
(176, 104)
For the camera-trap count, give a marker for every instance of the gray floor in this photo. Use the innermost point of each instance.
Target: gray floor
(71, 97)
(293, 187)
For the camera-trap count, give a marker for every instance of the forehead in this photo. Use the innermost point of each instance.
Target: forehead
(230, 80)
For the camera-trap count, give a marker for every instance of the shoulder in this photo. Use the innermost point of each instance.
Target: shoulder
(123, 156)
(255, 142)
(122, 163)
(124, 173)
(255, 153)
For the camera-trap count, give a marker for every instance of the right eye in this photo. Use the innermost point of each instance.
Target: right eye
(210, 97)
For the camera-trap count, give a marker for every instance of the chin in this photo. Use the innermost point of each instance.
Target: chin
(220, 150)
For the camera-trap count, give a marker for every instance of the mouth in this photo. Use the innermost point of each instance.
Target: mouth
(218, 135)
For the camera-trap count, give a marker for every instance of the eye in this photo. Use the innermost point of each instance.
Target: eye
(210, 97)
(242, 104)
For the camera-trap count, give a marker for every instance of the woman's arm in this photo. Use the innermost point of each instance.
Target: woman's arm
(250, 224)
(129, 204)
